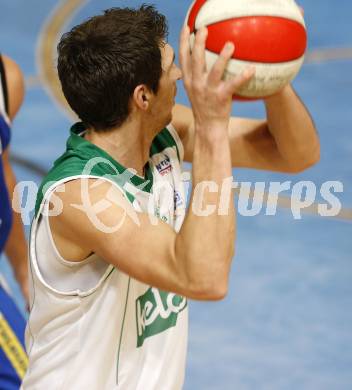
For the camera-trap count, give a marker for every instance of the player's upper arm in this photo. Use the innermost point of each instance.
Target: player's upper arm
(8, 171)
(252, 144)
(114, 231)
(15, 85)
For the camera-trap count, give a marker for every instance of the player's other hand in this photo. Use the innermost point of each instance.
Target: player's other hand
(209, 94)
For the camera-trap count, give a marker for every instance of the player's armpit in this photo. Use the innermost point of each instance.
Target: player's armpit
(133, 242)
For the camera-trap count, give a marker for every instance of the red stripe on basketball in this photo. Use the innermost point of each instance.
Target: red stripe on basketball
(267, 39)
(193, 14)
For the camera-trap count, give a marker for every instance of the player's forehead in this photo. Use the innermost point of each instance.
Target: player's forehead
(167, 56)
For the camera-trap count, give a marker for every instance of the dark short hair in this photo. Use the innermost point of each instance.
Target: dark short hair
(101, 61)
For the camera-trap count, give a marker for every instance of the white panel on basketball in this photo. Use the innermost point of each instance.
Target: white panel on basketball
(214, 11)
(268, 78)
(271, 76)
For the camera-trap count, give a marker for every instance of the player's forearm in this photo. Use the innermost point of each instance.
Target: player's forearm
(293, 129)
(16, 247)
(206, 240)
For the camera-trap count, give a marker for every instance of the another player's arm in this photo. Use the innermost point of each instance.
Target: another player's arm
(16, 246)
(285, 142)
(196, 261)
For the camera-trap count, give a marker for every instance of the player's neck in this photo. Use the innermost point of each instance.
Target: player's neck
(129, 144)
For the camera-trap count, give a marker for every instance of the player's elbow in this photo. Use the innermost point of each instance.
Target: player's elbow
(314, 157)
(217, 285)
(204, 274)
(306, 160)
(210, 286)
(219, 292)
(214, 292)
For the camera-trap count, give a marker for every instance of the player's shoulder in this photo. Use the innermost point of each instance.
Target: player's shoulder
(82, 206)
(15, 84)
(94, 188)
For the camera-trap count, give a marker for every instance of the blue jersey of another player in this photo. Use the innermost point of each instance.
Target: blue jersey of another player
(5, 206)
(13, 360)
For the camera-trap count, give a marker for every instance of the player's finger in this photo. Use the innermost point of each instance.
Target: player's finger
(198, 53)
(233, 84)
(217, 71)
(185, 55)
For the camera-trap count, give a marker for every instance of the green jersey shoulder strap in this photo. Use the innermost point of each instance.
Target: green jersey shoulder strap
(84, 159)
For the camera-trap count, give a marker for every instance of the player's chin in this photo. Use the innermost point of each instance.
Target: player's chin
(169, 119)
(174, 101)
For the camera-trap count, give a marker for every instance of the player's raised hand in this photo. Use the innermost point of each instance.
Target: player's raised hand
(210, 95)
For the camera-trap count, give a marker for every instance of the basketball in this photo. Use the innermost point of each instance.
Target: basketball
(268, 34)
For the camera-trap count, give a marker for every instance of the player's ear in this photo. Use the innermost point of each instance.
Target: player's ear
(141, 97)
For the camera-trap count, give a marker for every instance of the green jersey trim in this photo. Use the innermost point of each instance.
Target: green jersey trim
(82, 158)
(162, 141)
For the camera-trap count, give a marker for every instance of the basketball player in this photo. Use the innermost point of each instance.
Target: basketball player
(114, 255)
(13, 360)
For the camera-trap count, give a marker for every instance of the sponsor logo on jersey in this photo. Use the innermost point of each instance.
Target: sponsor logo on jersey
(164, 167)
(157, 311)
(178, 201)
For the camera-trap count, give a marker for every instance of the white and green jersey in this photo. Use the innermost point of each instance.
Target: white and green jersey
(91, 326)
